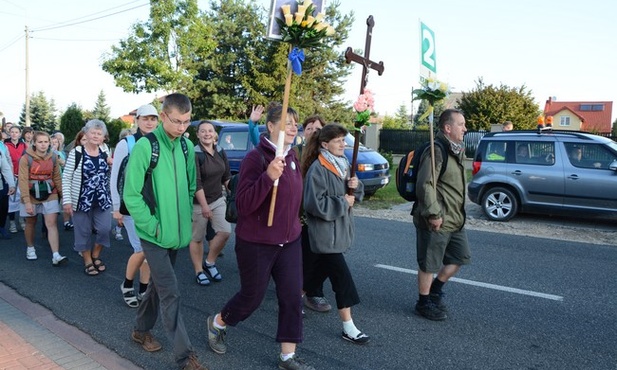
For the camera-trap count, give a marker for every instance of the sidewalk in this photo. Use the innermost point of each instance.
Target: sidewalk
(31, 337)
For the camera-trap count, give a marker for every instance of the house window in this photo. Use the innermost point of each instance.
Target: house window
(564, 121)
(592, 107)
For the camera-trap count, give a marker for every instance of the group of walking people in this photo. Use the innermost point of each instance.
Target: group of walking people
(166, 192)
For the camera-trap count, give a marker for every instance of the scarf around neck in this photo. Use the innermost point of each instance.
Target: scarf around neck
(340, 163)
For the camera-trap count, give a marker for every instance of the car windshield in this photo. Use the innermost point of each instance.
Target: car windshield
(349, 140)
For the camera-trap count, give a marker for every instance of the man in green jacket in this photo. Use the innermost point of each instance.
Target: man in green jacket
(163, 233)
(439, 217)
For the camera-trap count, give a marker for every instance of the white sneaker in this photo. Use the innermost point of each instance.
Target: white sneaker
(31, 253)
(12, 227)
(61, 260)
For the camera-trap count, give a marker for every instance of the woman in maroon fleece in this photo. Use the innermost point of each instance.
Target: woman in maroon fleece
(263, 252)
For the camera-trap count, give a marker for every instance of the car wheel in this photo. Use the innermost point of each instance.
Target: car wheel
(499, 204)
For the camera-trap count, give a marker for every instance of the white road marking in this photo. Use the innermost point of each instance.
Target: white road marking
(480, 284)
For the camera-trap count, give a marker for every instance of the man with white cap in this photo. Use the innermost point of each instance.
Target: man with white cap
(147, 119)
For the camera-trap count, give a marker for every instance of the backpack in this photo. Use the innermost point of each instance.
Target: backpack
(231, 212)
(148, 189)
(40, 177)
(409, 166)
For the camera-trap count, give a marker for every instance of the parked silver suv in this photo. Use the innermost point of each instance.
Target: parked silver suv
(544, 171)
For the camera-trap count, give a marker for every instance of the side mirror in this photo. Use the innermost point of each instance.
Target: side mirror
(613, 166)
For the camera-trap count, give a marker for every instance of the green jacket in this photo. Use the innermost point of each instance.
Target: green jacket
(174, 184)
(449, 201)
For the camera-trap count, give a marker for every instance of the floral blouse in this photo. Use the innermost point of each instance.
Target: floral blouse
(95, 187)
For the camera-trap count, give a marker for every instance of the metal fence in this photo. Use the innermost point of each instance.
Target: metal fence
(403, 141)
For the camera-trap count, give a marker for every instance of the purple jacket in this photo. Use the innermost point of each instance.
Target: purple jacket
(254, 193)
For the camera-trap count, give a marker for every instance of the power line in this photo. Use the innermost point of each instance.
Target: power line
(11, 43)
(78, 21)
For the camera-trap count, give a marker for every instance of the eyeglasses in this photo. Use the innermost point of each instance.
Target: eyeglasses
(177, 121)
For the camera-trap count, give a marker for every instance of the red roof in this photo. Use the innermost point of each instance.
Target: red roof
(596, 117)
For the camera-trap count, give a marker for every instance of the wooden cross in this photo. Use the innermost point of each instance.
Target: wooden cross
(350, 56)
(367, 63)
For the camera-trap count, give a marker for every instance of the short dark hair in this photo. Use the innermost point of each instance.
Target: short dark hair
(181, 102)
(446, 118)
(313, 118)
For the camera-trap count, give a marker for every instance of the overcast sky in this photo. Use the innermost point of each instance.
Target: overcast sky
(565, 49)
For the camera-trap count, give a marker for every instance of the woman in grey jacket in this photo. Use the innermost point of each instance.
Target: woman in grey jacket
(329, 215)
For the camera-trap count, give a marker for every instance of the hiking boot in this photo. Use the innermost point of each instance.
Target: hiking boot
(193, 363)
(60, 260)
(216, 337)
(437, 299)
(146, 340)
(319, 304)
(294, 363)
(12, 227)
(31, 253)
(430, 311)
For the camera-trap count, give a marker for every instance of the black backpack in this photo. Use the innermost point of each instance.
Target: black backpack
(148, 190)
(231, 212)
(409, 166)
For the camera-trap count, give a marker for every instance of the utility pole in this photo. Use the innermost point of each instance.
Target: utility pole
(27, 106)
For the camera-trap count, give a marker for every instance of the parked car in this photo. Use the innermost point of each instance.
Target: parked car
(372, 168)
(544, 171)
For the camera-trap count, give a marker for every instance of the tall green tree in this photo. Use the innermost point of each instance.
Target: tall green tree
(164, 52)
(42, 113)
(495, 104)
(223, 62)
(101, 110)
(71, 122)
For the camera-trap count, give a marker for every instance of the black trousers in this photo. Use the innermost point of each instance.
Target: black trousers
(333, 267)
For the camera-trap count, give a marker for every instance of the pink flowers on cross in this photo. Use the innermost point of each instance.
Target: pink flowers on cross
(364, 108)
(365, 102)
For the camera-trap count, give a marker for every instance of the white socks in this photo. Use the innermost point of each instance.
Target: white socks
(350, 329)
(287, 356)
(216, 325)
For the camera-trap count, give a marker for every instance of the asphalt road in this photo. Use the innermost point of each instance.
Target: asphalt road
(524, 303)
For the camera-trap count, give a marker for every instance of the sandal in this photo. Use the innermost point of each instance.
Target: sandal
(212, 272)
(91, 270)
(129, 296)
(202, 279)
(98, 264)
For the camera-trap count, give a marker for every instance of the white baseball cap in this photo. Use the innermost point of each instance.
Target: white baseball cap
(147, 110)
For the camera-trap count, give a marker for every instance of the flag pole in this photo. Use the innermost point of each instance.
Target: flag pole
(280, 144)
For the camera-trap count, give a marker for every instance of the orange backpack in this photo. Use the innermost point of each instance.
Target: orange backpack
(41, 177)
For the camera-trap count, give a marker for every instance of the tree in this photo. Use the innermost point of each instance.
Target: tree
(71, 122)
(42, 113)
(223, 62)
(164, 52)
(423, 124)
(101, 110)
(614, 130)
(113, 130)
(495, 104)
(400, 121)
